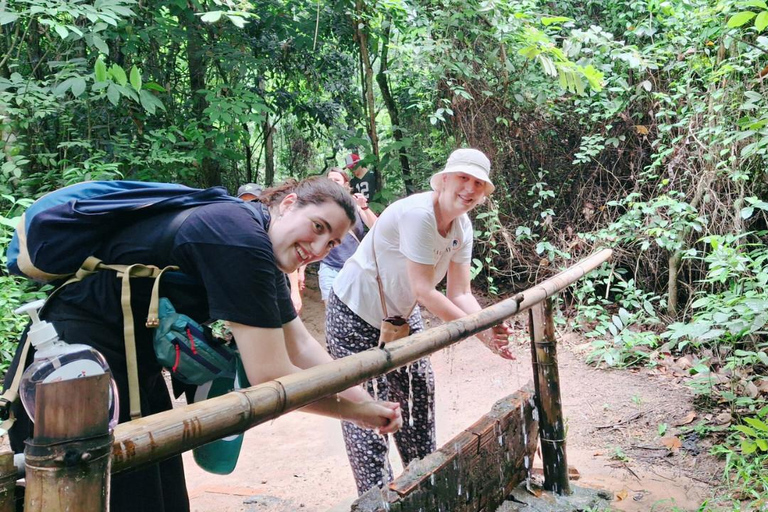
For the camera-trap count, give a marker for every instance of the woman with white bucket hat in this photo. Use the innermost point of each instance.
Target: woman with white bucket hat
(416, 242)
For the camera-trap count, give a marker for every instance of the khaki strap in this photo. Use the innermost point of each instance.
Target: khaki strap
(129, 331)
(153, 317)
(130, 345)
(12, 393)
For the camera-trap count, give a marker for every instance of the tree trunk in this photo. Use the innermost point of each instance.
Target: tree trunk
(361, 35)
(248, 155)
(394, 116)
(269, 153)
(677, 256)
(674, 267)
(210, 171)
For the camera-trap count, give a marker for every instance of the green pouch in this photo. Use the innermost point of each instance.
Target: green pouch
(188, 350)
(220, 456)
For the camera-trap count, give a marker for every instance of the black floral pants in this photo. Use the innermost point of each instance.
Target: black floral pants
(413, 386)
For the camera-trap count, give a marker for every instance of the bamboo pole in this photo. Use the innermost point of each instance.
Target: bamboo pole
(8, 475)
(547, 397)
(157, 437)
(68, 459)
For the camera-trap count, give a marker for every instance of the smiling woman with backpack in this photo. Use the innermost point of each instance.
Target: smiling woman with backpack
(233, 257)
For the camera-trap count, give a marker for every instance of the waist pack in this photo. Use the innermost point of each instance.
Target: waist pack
(189, 351)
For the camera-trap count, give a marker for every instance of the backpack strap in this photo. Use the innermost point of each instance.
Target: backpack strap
(11, 394)
(129, 331)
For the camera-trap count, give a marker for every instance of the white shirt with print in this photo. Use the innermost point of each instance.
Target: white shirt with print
(406, 230)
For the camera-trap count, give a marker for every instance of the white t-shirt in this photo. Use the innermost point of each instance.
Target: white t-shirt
(406, 230)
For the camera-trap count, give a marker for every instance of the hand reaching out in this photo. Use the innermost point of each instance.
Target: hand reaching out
(497, 340)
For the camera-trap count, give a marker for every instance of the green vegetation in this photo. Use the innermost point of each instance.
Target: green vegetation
(638, 125)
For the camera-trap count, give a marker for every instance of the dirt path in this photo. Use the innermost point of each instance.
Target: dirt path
(298, 461)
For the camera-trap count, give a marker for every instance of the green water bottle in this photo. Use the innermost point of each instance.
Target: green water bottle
(220, 456)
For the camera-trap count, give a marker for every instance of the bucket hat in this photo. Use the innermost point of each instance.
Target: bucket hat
(468, 161)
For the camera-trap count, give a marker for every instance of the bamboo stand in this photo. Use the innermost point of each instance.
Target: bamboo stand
(548, 401)
(7, 483)
(68, 460)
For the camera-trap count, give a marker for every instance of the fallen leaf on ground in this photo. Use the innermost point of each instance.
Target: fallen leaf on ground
(671, 442)
(688, 419)
(723, 418)
(751, 390)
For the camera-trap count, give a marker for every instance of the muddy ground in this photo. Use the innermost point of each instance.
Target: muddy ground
(298, 461)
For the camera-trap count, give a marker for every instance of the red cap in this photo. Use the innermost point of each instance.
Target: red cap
(352, 160)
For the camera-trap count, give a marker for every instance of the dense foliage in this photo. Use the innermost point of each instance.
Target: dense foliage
(639, 125)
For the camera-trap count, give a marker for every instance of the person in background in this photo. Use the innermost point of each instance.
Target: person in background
(416, 242)
(249, 191)
(331, 265)
(252, 192)
(362, 182)
(236, 255)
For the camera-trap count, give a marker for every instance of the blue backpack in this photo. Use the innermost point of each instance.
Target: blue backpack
(59, 233)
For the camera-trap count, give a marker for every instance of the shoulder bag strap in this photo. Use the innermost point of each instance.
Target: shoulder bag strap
(372, 234)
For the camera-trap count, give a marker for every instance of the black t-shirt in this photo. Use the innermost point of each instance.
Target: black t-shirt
(225, 254)
(365, 185)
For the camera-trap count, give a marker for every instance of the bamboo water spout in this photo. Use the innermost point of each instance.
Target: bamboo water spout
(154, 438)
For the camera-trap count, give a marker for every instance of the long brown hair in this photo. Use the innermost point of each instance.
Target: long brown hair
(341, 172)
(315, 190)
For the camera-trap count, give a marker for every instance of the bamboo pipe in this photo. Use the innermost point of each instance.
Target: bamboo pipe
(68, 458)
(7, 482)
(547, 397)
(157, 437)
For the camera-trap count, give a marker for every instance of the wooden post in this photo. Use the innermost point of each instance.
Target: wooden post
(547, 383)
(7, 482)
(68, 460)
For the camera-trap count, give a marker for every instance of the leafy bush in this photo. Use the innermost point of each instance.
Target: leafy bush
(746, 459)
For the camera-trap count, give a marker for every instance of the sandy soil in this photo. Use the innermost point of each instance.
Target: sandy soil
(298, 461)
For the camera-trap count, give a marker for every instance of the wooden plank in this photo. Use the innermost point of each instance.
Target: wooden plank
(474, 471)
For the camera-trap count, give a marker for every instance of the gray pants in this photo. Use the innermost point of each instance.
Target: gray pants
(412, 386)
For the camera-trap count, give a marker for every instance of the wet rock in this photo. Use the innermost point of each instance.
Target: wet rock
(524, 500)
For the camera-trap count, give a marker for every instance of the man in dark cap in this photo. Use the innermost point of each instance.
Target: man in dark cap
(249, 191)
